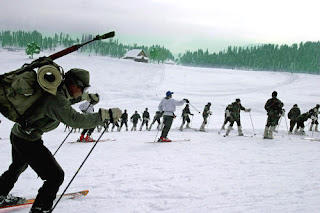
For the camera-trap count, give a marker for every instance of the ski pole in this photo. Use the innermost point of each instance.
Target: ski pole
(68, 134)
(194, 107)
(278, 124)
(287, 127)
(208, 122)
(157, 134)
(252, 124)
(74, 176)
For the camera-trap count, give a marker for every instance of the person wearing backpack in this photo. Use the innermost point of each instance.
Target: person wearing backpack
(293, 115)
(28, 147)
(145, 119)
(274, 111)
(134, 119)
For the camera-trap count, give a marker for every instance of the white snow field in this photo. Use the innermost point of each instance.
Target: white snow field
(210, 173)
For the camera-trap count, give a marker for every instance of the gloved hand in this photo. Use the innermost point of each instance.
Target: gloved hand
(248, 110)
(186, 100)
(313, 117)
(210, 113)
(92, 98)
(105, 115)
(192, 114)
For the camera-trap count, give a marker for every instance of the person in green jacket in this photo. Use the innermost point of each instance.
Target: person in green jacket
(145, 119)
(293, 115)
(235, 116)
(205, 114)
(274, 111)
(300, 122)
(185, 117)
(134, 119)
(28, 147)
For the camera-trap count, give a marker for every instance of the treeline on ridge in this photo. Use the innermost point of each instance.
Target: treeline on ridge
(303, 57)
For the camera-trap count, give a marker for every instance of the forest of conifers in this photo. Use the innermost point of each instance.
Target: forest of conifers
(302, 57)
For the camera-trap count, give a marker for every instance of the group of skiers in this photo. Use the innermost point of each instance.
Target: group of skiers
(273, 106)
(28, 148)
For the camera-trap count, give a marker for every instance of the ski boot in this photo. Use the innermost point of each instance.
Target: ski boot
(81, 138)
(89, 139)
(162, 139)
(11, 200)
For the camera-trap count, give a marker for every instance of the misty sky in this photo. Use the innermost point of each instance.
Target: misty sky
(179, 25)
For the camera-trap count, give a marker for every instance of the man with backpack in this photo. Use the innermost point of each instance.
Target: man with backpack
(235, 108)
(205, 114)
(185, 117)
(156, 117)
(274, 111)
(293, 115)
(134, 119)
(26, 138)
(124, 120)
(145, 119)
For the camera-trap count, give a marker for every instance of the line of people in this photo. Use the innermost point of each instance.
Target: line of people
(273, 106)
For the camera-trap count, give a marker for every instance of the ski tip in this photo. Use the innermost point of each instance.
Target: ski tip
(84, 192)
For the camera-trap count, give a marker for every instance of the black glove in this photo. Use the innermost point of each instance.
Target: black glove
(187, 101)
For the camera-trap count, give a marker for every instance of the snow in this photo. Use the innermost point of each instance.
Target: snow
(210, 173)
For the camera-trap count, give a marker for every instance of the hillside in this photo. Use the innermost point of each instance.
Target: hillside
(210, 173)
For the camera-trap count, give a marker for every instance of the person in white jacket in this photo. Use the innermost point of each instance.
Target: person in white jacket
(168, 107)
(87, 107)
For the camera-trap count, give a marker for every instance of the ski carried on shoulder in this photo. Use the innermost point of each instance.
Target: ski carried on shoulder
(105, 140)
(29, 202)
(182, 140)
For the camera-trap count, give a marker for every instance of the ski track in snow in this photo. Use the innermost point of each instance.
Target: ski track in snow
(210, 173)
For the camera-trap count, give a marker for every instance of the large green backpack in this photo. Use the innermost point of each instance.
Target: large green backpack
(22, 88)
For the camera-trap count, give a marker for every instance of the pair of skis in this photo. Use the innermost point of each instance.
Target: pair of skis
(105, 140)
(29, 202)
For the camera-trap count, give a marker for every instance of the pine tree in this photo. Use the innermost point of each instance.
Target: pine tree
(32, 48)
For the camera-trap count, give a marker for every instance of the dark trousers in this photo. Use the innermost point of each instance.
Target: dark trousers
(40, 159)
(167, 121)
(125, 123)
(235, 120)
(292, 123)
(88, 131)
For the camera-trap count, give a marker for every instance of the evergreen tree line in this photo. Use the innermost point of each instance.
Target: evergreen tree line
(303, 57)
(110, 47)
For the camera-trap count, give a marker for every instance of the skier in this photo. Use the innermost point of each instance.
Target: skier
(274, 111)
(300, 123)
(145, 119)
(205, 114)
(87, 107)
(227, 117)
(134, 119)
(168, 107)
(27, 145)
(314, 116)
(185, 117)
(293, 115)
(124, 120)
(235, 116)
(115, 124)
(157, 117)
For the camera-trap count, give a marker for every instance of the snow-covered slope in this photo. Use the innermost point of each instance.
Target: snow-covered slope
(210, 173)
